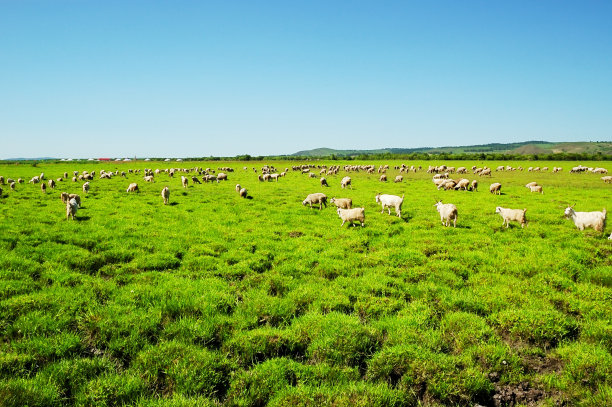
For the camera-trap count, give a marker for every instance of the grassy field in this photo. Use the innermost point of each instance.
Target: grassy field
(217, 300)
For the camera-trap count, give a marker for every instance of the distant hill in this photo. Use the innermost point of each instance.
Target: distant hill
(523, 148)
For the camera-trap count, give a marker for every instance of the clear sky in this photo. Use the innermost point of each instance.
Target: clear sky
(197, 78)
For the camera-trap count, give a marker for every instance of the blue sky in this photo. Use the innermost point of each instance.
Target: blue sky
(182, 79)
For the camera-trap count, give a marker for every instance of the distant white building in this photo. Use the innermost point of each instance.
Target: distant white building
(179, 159)
(167, 159)
(147, 159)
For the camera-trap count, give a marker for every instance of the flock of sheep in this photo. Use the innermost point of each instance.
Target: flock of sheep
(448, 212)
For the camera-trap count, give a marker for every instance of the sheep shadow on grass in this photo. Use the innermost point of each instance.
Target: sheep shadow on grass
(173, 203)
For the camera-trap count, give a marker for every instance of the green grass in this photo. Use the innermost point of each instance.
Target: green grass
(216, 300)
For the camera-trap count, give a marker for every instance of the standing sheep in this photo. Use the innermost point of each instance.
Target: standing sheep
(316, 198)
(86, 187)
(324, 182)
(388, 201)
(184, 181)
(351, 215)
(536, 188)
(71, 208)
(495, 188)
(595, 220)
(133, 187)
(383, 178)
(43, 187)
(243, 193)
(474, 185)
(517, 215)
(346, 182)
(447, 213)
(165, 193)
(398, 178)
(238, 187)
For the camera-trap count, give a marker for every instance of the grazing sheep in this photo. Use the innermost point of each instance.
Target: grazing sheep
(238, 187)
(324, 182)
(607, 178)
(184, 181)
(486, 171)
(12, 186)
(344, 203)
(536, 188)
(86, 187)
(351, 215)
(195, 180)
(34, 180)
(474, 185)
(595, 220)
(2, 180)
(316, 198)
(447, 213)
(71, 208)
(74, 179)
(495, 188)
(383, 178)
(610, 238)
(346, 182)
(20, 181)
(221, 176)
(149, 178)
(388, 201)
(165, 193)
(449, 184)
(43, 187)
(133, 187)
(517, 215)
(243, 193)
(398, 178)
(463, 183)
(531, 184)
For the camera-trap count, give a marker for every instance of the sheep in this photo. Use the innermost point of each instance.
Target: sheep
(20, 181)
(195, 180)
(74, 179)
(238, 187)
(531, 184)
(323, 182)
(71, 208)
(344, 203)
(346, 182)
(390, 200)
(449, 184)
(184, 181)
(86, 187)
(536, 188)
(517, 215)
(2, 180)
(607, 178)
(316, 198)
(12, 186)
(610, 238)
(133, 187)
(447, 213)
(495, 188)
(351, 215)
(43, 187)
(486, 171)
(439, 182)
(34, 180)
(149, 178)
(221, 177)
(243, 193)
(463, 183)
(474, 185)
(165, 193)
(595, 220)
(399, 178)
(383, 178)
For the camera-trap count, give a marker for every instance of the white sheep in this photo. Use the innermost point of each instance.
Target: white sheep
(346, 182)
(133, 187)
(238, 187)
(447, 213)
(351, 215)
(383, 178)
(388, 201)
(495, 188)
(595, 220)
(316, 198)
(86, 187)
(607, 178)
(463, 183)
(517, 215)
(323, 182)
(243, 193)
(398, 178)
(536, 188)
(474, 185)
(184, 181)
(344, 203)
(165, 193)
(71, 208)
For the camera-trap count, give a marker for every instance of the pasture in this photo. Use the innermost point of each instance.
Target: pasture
(217, 300)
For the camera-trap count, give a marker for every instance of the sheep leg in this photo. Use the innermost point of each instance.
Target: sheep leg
(342, 223)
